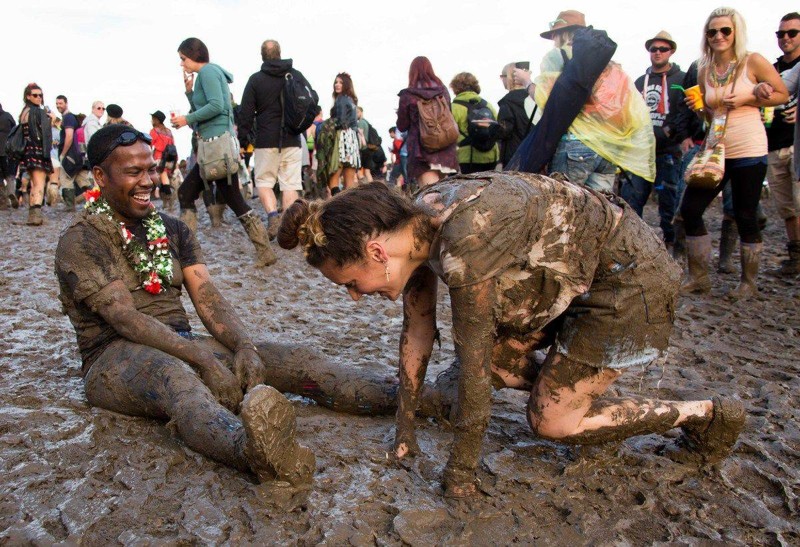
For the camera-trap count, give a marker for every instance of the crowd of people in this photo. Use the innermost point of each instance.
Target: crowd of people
(519, 210)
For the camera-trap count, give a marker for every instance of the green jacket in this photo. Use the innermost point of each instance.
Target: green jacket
(467, 154)
(211, 108)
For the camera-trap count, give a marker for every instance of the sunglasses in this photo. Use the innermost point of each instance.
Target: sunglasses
(37, 95)
(99, 107)
(792, 33)
(126, 138)
(726, 31)
(660, 49)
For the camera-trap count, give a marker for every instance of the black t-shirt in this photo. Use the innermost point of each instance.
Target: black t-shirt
(781, 134)
(69, 120)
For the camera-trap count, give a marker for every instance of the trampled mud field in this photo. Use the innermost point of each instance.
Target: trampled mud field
(72, 474)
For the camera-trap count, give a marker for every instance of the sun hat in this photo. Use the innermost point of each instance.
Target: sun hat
(662, 36)
(566, 20)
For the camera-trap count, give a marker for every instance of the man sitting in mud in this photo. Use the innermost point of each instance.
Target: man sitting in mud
(121, 266)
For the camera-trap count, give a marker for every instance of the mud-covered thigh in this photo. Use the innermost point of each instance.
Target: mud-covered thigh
(618, 325)
(138, 380)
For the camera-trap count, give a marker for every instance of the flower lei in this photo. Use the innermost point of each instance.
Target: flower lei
(154, 263)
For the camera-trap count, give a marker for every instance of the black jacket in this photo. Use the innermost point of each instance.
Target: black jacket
(7, 123)
(261, 102)
(514, 122)
(664, 120)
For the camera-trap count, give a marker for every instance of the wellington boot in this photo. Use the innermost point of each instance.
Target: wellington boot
(727, 243)
(189, 217)
(791, 266)
(215, 212)
(271, 447)
(35, 217)
(750, 258)
(698, 255)
(257, 233)
(68, 194)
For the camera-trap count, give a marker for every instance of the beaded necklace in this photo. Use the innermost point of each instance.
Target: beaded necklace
(721, 80)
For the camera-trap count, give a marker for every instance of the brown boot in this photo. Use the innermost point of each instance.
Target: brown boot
(252, 224)
(727, 243)
(750, 258)
(189, 217)
(35, 217)
(791, 266)
(273, 225)
(271, 448)
(215, 212)
(713, 441)
(698, 255)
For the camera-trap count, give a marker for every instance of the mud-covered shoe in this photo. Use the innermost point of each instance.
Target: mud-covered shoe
(271, 448)
(273, 225)
(711, 442)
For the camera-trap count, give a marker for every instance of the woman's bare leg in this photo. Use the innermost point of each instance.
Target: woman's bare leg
(350, 179)
(38, 180)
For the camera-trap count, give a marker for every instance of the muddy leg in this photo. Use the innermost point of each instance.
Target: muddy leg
(565, 406)
(141, 381)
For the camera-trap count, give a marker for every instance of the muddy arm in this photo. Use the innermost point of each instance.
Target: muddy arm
(473, 334)
(416, 345)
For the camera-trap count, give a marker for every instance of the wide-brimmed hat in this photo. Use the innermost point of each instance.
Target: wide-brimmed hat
(159, 116)
(566, 20)
(662, 36)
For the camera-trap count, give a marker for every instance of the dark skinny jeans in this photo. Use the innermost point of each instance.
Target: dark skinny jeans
(746, 183)
(193, 186)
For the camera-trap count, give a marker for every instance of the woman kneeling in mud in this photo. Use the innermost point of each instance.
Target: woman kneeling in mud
(529, 262)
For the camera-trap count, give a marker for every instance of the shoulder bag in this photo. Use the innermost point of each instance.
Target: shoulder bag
(218, 157)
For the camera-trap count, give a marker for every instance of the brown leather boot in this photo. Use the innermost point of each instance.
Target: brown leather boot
(750, 258)
(698, 256)
(727, 243)
(189, 217)
(257, 233)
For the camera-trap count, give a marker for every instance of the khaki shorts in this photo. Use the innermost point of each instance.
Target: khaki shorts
(283, 166)
(783, 184)
(82, 178)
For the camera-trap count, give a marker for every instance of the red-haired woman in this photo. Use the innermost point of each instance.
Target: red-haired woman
(35, 124)
(426, 167)
(346, 157)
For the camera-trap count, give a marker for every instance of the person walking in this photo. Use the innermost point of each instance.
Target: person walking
(7, 165)
(514, 115)
(477, 123)
(346, 156)
(36, 128)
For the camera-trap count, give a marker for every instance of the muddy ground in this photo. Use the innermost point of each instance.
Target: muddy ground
(73, 474)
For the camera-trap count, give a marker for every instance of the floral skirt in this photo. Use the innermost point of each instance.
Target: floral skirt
(34, 156)
(349, 149)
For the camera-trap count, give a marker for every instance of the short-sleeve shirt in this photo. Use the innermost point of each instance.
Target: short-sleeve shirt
(90, 255)
(71, 122)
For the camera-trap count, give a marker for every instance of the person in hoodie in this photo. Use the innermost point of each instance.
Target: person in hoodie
(423, 166)
(211, 115)
(664, 103)
(513, 115)
(470, 158)
(277, 151)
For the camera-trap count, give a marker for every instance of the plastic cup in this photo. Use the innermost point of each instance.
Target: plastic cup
(694, 94)
(174, 113)
(768, 113)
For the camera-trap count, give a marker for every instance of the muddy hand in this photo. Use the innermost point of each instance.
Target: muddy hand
(249, 369)
(223, 384)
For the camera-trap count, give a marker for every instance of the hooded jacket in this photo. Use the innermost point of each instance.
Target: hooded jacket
(261, 101)
(467, 154)
(664, 109)
(514, 122)
(419, 159)
(211, 102)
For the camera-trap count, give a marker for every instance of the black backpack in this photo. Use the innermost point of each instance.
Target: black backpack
(373, 139)
(299, 104)
(479, 137)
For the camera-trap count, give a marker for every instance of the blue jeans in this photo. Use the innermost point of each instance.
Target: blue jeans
(583, 166)
(635, 190)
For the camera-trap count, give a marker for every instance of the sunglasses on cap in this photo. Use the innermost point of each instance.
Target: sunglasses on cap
(726, 31)
(660, 49)
(126, 138)
(791, 32)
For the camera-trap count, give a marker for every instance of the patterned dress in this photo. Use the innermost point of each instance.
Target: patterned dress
(34, 156)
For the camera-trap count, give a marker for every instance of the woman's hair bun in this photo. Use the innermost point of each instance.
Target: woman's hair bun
(293, 218)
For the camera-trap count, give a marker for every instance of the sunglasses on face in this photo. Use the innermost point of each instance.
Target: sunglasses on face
(127, 138)
(37, 95)
(792, 33)
(660, 49)
(726, 31)
(100, 107)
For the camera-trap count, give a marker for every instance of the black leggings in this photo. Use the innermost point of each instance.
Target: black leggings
(746, 185)
(193, 186)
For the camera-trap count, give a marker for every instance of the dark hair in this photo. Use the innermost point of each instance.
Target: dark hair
(421, 74)
(393, 129)
(63, 98)
(790, 16)
(28, 88)
(337, 229)
(102, 140)
(194, 49)
(270, 49)
(464, 81)
(80, 118)
(347, 86)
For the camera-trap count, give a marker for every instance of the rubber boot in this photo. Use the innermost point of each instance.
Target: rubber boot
(698, 256)
(679, 249)
(215, 212)
(727, 243)
(273, 225)
(791, 266)
(750, 258)
(189, 217)
(35, 217)
(68, 194)
(257, 233)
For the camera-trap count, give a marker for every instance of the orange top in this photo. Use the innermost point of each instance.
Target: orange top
(745, 136)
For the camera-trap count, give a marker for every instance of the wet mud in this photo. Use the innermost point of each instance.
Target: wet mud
(71, 473)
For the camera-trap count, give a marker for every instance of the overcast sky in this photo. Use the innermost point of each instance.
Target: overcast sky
(125, 52)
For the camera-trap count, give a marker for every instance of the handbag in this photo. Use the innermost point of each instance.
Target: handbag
(218, 157)
(15, 145)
